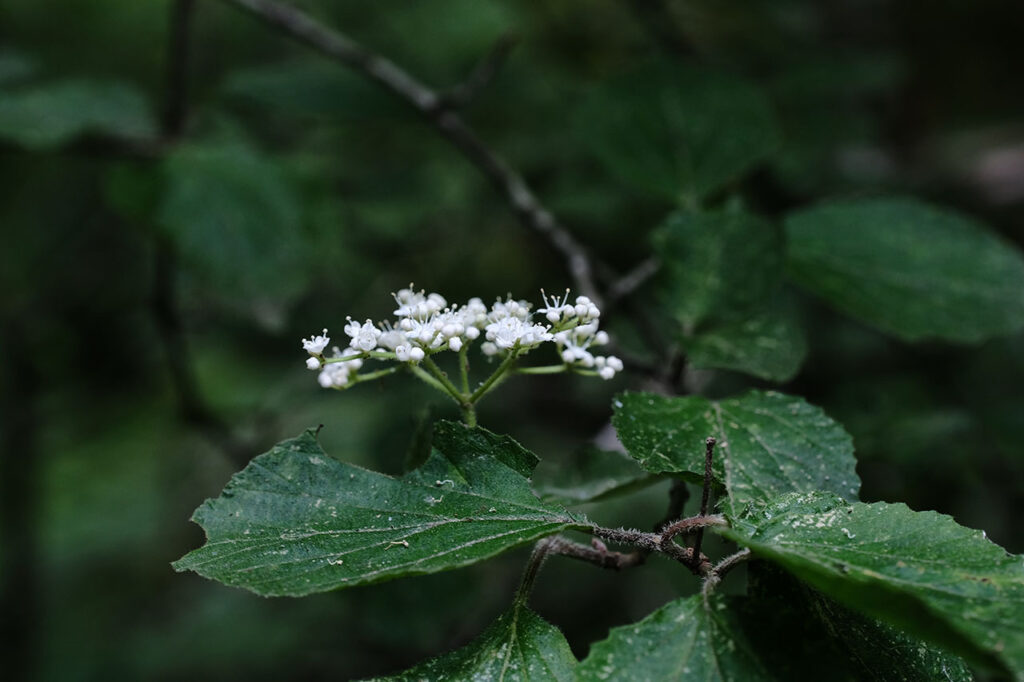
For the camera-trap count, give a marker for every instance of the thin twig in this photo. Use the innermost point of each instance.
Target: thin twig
(715, 575)
(693, 524)
(597, 553)
(633, 280)
(446, 122)
(481, 76)
(709, 453)
(533, 566)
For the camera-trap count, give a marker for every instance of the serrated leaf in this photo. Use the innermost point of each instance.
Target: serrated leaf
(768, 443)
(908, 268)
(52, 114)
(518, 647)
(682, 640)
(588, 476)
(918, 570)
(295, 521)
(769, 343)
(237, 221)
(678, 132)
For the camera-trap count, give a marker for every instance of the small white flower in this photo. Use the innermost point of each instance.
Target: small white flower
(315, 345)
(455, 344)
(416, 354)
(509, 331)
(364, 336)
(312, 363)
(488, 348)
(606, 373)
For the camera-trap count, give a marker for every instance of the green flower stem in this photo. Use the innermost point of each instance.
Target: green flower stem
(499, 374)
(375, 375)
(546, 369)
(464, 368)
(443, 378)
(426, 378)
(377, 354)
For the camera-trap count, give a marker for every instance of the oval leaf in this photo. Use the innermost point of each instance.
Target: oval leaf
(908, 268)
(295, 521)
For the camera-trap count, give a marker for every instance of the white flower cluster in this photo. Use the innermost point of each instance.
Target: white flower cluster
(426, 325)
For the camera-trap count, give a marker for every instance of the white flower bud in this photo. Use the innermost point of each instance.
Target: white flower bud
(455, 343)
(416, 354)
(312, 363)
(606, 373)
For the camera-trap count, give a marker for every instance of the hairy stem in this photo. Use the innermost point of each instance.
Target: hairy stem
(709, 453)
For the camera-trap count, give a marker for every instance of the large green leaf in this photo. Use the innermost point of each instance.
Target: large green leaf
(683, 640)
(678, 132)
(768, 443)
(237, 221)
(720, 278)
(52, 114)
(908, 268)
(296, 521)
(518, 647)
(588, 476)
(917, 570)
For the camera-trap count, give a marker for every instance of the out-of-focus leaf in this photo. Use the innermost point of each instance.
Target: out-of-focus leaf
(52, 114)
(720, 277)
(769, 343)
(295, 521)
(678, 132)
(237, 220)
(918, 570)
(768, 443)
(518, 647)
(589, 475)
(717, 264)
(908, 268)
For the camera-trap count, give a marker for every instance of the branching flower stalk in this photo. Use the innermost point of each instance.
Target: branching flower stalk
(425, 325)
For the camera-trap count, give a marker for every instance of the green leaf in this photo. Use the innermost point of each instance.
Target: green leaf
(768, 443)
(719, 264)
(682, 640)
(678, 132)
(295, 521)
(588, 476)
(831, 637)
(908, 268)
(237, 221)
(720, 278)
(49, 115)
(518, 647)
(917, 570)
(769, 343)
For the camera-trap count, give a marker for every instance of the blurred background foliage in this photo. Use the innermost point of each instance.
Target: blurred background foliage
(159, 266)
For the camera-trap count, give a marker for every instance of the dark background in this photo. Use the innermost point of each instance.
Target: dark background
(147, 354)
